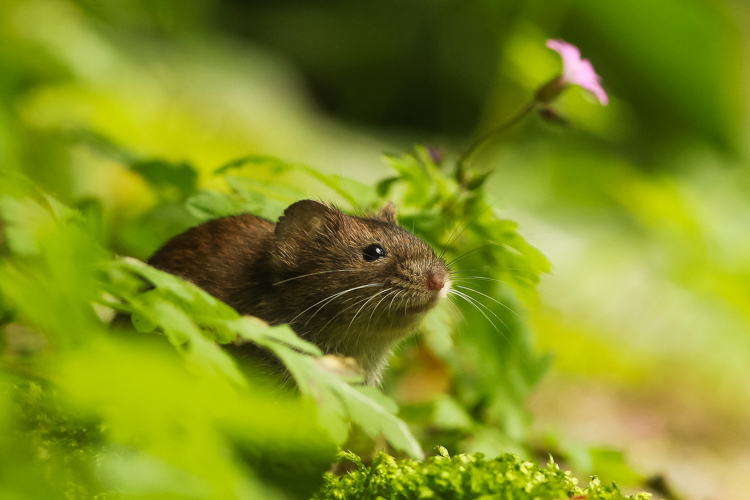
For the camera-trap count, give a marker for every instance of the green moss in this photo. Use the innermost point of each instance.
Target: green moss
(461, 477)
(53, 445)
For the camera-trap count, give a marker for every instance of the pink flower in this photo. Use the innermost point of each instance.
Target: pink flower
(576, 71)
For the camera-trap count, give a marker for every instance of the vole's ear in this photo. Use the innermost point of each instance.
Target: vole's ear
(302, 218)
(388, 213)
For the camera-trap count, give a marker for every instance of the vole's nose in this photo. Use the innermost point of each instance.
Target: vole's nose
(435, 280)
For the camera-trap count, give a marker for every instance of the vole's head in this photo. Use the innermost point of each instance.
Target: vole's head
(353, 283)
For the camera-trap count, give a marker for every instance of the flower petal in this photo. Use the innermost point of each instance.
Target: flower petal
(585, 77)
(577, 71)
(571, 56)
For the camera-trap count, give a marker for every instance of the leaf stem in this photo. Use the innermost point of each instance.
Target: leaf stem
(483, 140)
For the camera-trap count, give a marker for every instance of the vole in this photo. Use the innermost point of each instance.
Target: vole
(351, 285)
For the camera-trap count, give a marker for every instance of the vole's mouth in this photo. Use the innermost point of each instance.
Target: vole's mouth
(422, 307)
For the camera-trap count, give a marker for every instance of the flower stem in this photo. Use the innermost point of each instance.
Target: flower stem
(483, 140)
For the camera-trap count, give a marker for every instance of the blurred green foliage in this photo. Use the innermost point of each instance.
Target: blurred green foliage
(137, 392)
(123, 114)
(139, 398)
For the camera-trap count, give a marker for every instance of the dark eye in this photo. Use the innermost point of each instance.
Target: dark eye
(373, 252)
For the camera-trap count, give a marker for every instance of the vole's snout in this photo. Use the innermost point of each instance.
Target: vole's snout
(435, 280)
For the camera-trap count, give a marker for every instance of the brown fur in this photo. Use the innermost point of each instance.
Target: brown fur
(291, 273)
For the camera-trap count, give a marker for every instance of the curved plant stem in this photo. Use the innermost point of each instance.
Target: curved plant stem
(483, 140)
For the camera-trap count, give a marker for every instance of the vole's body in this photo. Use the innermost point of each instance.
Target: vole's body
(351, 285)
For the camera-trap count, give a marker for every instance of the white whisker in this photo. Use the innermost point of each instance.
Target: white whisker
(494, 300)
(457, 309)
(472, 302)
(357, 314)
(344, 310)
(378, 305)
(314, 274)
(331, 297)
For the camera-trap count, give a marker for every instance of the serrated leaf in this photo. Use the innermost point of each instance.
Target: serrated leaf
(258, 331)
(339, 402)
(374, 420)
(177, 286)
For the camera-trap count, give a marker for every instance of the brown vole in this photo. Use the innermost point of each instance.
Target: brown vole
(351, 285)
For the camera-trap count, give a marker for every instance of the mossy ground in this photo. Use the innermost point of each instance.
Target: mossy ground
(461, 477)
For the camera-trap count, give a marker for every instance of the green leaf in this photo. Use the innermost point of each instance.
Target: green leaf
(357, 194)
(611, 465)
(383, 187)
(273, 189)
(278, 165)
(142, 323)
(337, 401)
(448, 414)
(375, 419)
(207, 205)
(174, 306)
(173, 181)
(376, 395)
(258, 331)
(478, 181)
(26, 223)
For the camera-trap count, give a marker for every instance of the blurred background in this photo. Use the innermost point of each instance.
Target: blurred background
(643, 206)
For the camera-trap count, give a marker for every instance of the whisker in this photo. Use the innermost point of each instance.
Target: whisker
(488, 270)
(357, 314)
(314, 274)
(492, 299)
(474, 302)
(452, 240)
(471, 278)
(394, 298)
(518, 276)
(466, 254)
(457, 309)
(331, 297)
(383, 310)
(378, 305)
(471, 301)
(344, 310)
(487, 309)
(321, 307)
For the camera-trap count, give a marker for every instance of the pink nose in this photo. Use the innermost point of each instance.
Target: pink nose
(435, 280)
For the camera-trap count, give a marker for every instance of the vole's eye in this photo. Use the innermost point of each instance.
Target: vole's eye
(373, 252)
